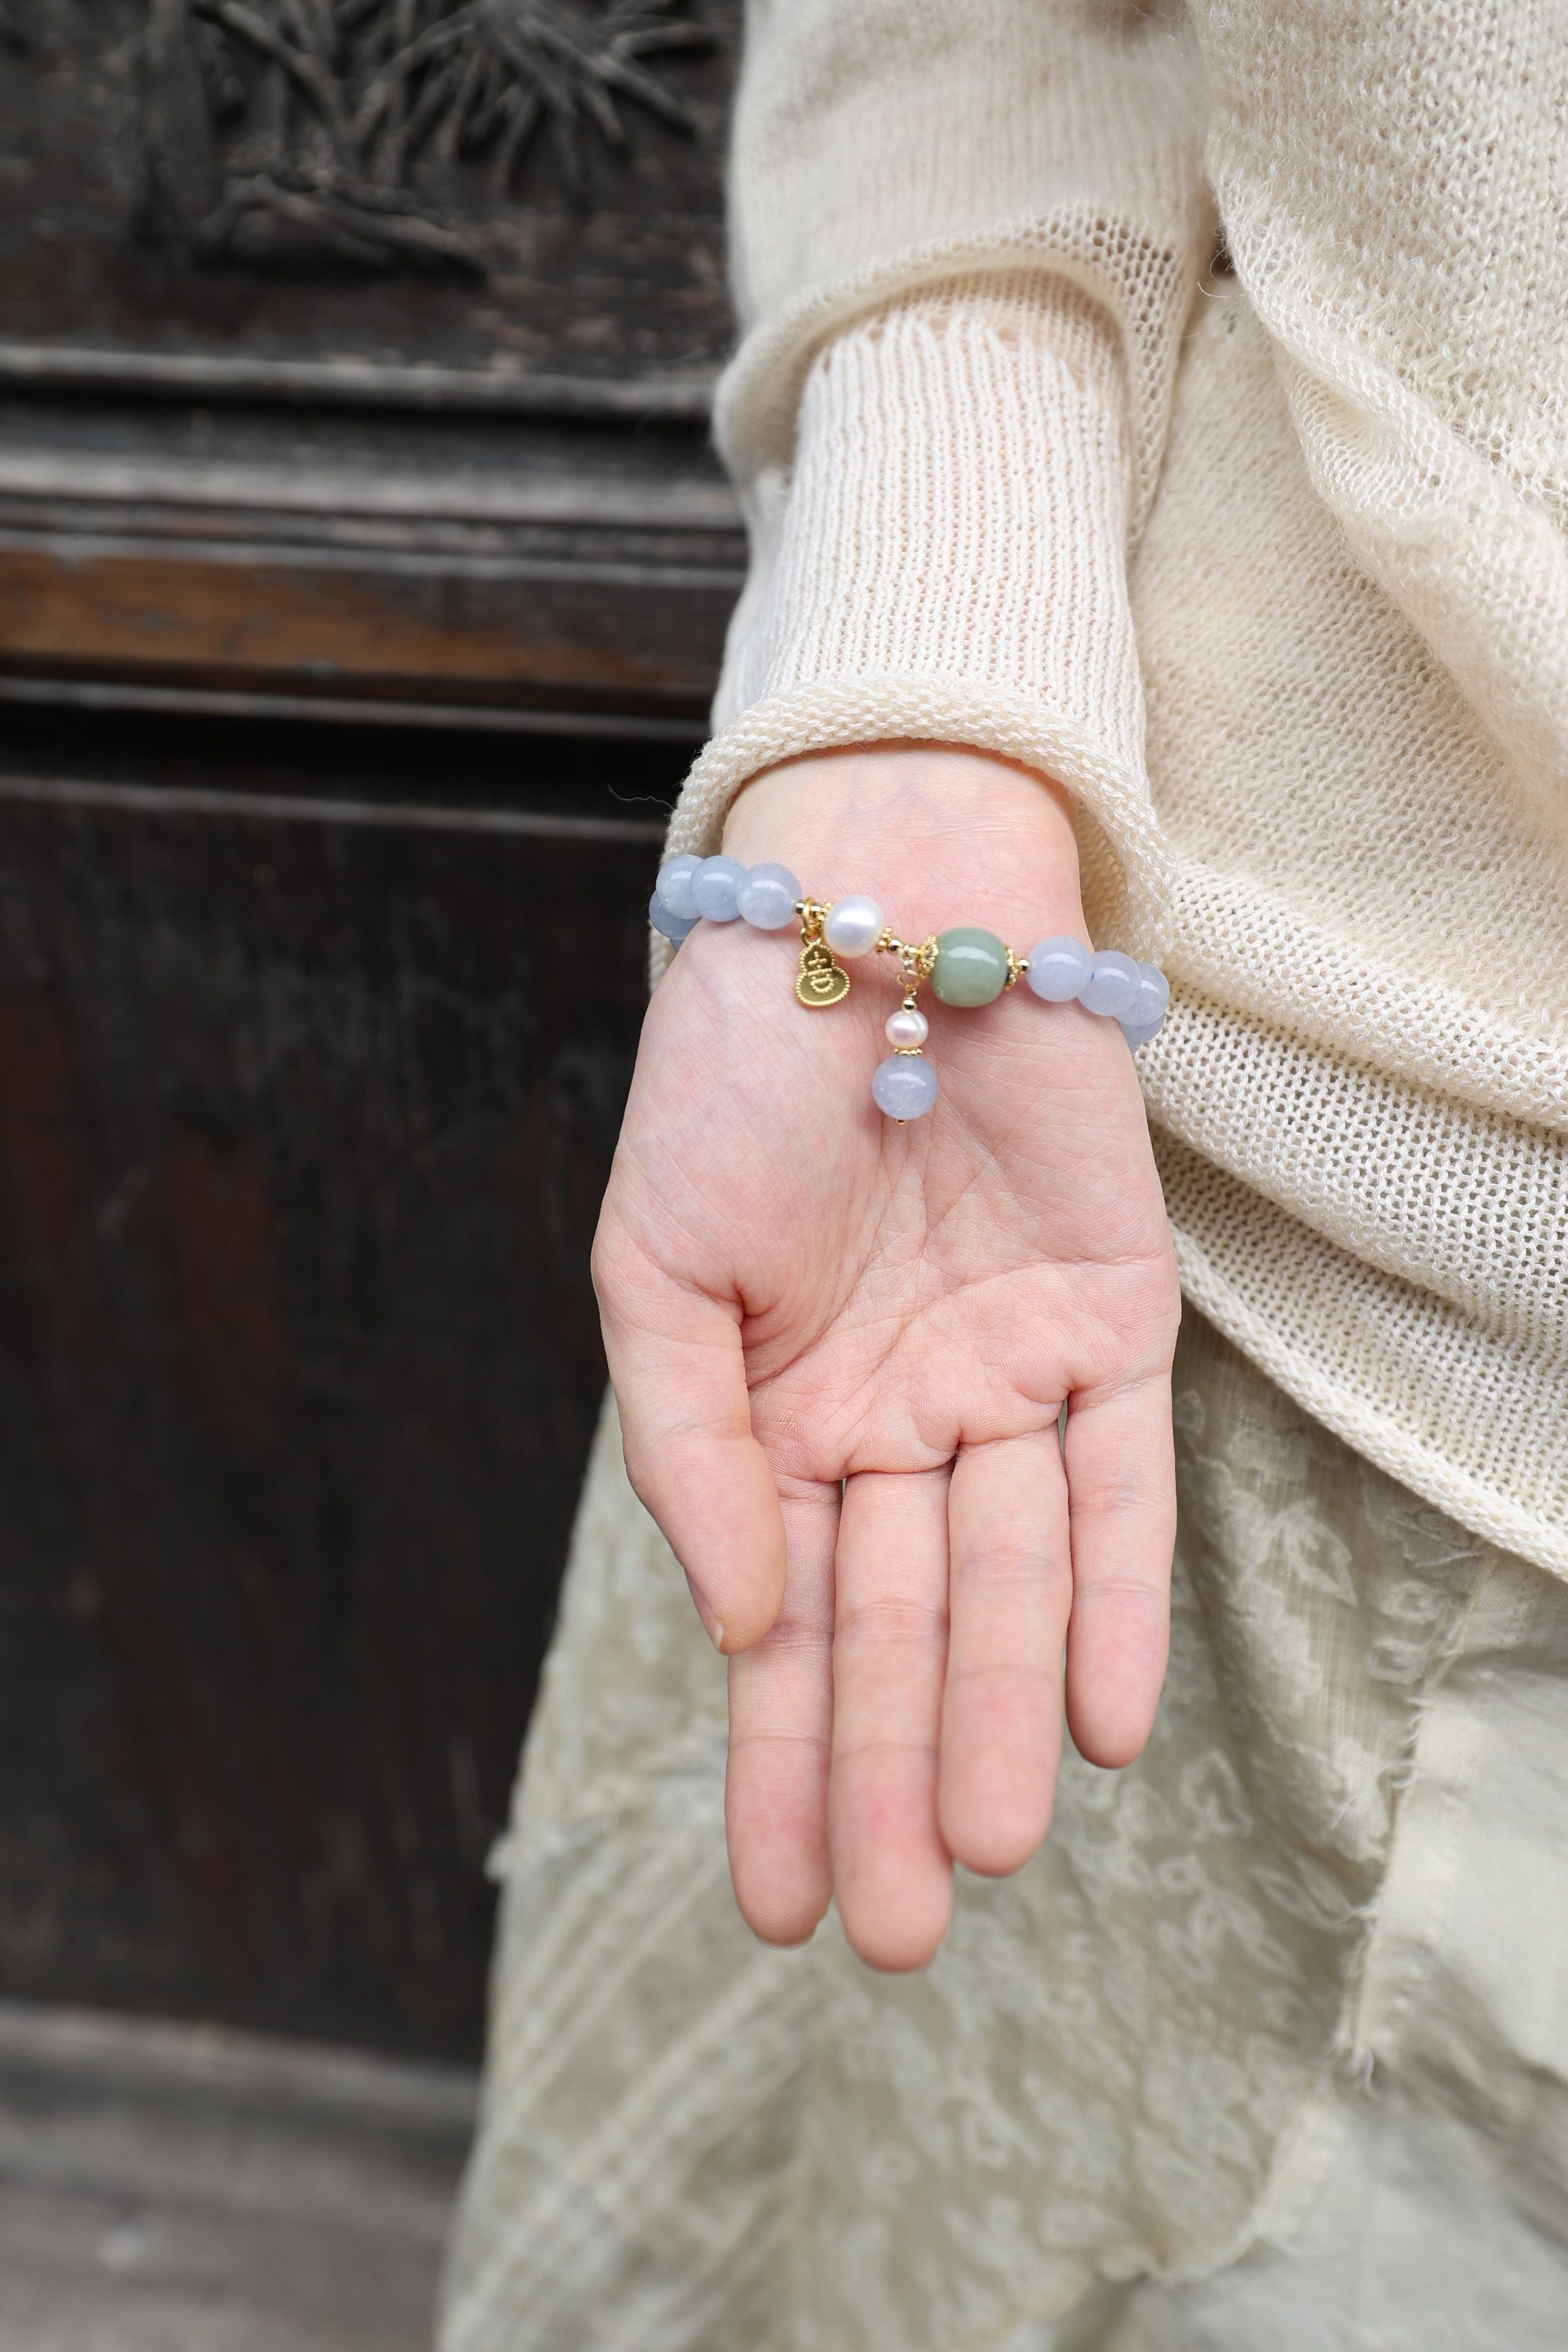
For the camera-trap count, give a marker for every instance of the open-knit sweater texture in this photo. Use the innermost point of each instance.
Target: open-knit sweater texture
(1176, 400)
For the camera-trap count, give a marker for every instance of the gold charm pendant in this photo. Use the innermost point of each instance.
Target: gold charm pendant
(822, 979)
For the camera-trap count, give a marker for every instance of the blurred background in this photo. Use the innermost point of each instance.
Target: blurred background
(364, 572)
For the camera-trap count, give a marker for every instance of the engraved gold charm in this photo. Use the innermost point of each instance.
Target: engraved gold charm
(820, 980)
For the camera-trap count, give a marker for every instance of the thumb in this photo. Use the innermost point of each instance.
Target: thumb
(679, 1377)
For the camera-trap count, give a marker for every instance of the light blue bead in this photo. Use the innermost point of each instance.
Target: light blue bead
(1147, 1009)
(1058, 970)
(1138, 1033)
(1111, 985)
(768, 897)
(673, 888)
(672, 927)
(1146, 1016)
(713, 888)
(904, 1086)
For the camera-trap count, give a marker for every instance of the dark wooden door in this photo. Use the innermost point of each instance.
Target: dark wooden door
(364, 571)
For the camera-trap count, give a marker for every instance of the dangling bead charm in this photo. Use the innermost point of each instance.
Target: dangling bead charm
(904, 1087)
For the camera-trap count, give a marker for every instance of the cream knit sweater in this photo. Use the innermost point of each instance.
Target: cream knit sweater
(1265, 562)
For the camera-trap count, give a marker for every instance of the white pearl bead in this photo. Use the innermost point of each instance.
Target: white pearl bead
(908, 1027)
(852, 927)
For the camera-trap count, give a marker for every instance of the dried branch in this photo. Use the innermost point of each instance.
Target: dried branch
(313, 74)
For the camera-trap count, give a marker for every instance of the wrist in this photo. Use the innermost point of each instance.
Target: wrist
(938, 836)
(960, 868)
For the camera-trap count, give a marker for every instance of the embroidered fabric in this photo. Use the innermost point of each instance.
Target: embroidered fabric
(1431, 2180)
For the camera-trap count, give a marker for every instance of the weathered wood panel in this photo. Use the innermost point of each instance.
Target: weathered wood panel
(430, 629)
(305, 1110)
(358, 558)
(346, 363)
(365, 352)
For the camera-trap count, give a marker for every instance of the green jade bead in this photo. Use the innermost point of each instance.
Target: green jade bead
(971, 967)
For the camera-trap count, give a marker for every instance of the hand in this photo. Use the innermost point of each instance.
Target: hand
(840, 1349)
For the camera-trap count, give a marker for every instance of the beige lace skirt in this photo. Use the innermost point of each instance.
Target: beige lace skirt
(1269, 2045)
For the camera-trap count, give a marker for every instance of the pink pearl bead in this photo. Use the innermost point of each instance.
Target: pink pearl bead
(907, 1028)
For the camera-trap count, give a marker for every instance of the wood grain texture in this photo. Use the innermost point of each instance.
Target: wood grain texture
(345, 559)
(431, 630)
(304, 1122)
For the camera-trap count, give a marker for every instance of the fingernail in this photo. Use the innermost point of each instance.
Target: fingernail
(712, 1626)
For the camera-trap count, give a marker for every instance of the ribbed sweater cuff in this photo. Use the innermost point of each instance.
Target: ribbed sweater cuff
(947, 564)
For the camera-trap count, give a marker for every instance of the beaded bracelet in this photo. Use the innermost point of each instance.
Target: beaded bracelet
(965, 966)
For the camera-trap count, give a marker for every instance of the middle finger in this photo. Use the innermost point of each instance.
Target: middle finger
(892, 1873)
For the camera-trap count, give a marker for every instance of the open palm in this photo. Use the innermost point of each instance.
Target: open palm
(841, 1349)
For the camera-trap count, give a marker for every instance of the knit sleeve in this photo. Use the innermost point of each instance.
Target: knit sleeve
(965, 238)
